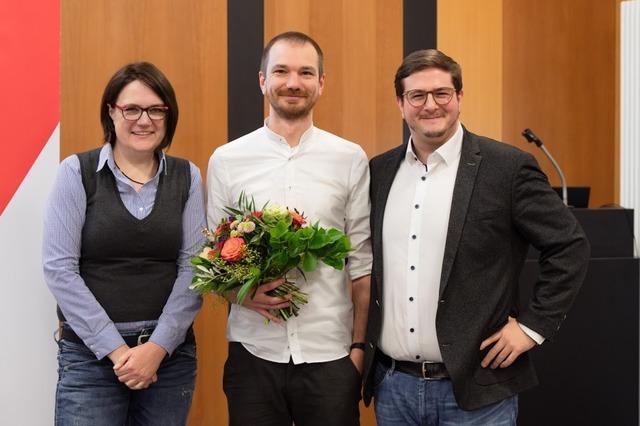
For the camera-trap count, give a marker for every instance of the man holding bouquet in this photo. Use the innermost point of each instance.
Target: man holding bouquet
(306, 369)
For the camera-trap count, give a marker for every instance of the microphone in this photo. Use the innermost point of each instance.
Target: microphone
(532, 138)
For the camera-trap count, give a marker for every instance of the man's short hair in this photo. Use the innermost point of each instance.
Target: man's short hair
(424, 59)
(292, 37)
(149, 75)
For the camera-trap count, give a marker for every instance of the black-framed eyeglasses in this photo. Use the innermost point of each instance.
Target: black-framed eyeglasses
(134, 112)
(417, 98)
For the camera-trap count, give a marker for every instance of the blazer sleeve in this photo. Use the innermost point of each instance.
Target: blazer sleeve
(543, 220)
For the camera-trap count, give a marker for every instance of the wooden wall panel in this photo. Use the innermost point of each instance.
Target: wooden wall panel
(471, 33)
(362, 43)
(186, 39)
(560, 80)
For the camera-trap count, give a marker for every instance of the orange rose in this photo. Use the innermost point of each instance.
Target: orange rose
(298, 219)
(233, 249)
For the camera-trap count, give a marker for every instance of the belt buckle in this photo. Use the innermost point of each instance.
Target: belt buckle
(144, 336)
(425, 373)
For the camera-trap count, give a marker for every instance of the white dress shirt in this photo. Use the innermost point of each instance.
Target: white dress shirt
(327, 178)
(414, 233)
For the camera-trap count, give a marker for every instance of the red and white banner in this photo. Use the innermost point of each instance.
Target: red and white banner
(29, 155)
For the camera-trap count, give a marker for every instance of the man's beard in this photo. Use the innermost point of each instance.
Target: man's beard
(292, 112)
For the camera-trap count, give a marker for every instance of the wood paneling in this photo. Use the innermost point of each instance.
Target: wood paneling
(471, 33)
(186, 39)
(560, 80)
(548, 65)
(362, 44)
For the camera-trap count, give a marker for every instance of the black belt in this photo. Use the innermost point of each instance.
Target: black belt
(131, 340)
(424, 370)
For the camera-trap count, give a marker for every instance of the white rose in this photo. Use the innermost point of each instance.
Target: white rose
(205, 253)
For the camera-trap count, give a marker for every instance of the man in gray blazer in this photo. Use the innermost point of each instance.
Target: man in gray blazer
(452, 216)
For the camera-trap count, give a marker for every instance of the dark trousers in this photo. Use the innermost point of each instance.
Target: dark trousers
(265, 393)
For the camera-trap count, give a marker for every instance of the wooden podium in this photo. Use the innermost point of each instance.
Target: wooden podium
(589, 375)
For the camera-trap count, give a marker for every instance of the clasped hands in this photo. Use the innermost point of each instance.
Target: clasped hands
(136, 367)
(508, 344)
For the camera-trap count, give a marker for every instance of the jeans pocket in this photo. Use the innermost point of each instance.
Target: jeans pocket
(71, 355)
(380, 374)
(188, 350)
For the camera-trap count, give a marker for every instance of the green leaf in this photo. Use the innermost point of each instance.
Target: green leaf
(244, 290)
(318, 240)
(334, 263)
(279, 230)
(309, 262)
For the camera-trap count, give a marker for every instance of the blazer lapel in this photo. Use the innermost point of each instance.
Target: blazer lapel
(465, 180)
(387, 175)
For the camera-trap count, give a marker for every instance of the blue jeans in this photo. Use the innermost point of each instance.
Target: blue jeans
(403, 400)
(89, 393)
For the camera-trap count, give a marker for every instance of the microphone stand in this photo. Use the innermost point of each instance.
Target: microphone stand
(532, 138)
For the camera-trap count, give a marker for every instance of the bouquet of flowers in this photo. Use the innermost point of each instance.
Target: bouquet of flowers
(250, 247)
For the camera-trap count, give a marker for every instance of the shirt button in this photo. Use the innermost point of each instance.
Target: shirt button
(417, 356)
(441, 300)
(411, 299)
(417, 206)
(413, 268)
(413, 237)
(423, 178)
(411, 330)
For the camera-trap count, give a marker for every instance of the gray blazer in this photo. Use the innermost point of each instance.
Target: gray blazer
(502, 202)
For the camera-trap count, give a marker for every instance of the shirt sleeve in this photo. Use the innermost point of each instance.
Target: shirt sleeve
(536, 337)
(357, 225)
(217, 195)
(63, 221)
(183, 304)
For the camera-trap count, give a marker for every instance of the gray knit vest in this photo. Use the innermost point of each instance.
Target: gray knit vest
(130, 265)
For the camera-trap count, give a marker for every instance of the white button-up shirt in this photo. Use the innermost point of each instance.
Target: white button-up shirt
(414, 235)
(327, 178)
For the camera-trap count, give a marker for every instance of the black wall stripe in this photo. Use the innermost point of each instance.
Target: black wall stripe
(419, 30)
(245, 34)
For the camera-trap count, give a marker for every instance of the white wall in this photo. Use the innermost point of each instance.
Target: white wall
(27, 309)
(630, 109)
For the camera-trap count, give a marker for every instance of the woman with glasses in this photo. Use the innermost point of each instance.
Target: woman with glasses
(122, 222)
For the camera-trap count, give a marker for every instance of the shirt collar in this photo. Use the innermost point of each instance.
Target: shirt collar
(271, 135)
(448, 151)
(106, 157)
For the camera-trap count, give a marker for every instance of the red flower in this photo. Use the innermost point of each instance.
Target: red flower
(298, 219)
(222, 228)
(233, 249)
(257, 214)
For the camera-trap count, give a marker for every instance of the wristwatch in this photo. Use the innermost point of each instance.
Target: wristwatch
(357, 345)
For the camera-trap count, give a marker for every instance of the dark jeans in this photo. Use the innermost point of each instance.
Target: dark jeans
(89, 393)
(265, 393)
